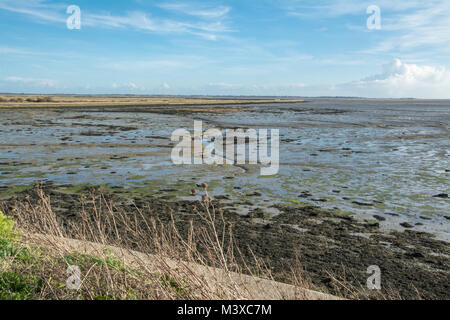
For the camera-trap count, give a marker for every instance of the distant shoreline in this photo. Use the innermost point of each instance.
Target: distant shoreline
(63, 102)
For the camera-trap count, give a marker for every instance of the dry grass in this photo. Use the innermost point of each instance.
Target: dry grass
(344, 286)
(102, 101)
(205, 263)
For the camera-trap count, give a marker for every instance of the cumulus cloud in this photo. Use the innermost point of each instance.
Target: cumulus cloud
(401, 80)
(397, 79)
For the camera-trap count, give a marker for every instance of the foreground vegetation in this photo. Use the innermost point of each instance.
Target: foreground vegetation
(37, 252)
(121, 256)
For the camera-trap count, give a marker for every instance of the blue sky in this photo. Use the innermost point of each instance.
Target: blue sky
(229, 47)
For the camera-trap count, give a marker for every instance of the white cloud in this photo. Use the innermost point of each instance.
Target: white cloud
(397, 80)
(409, 73)
(32, 81)
(427, 26)
(157, 63)
(42, 11)
(129, 86)
(402, 80)
(9, 50)
(336, 8)
(198, 10)
(38, 9)
(141, 21)
(406, 24)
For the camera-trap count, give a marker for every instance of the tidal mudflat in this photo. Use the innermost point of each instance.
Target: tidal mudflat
(363, 174)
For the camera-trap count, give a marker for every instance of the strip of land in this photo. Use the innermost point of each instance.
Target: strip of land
(40, 101)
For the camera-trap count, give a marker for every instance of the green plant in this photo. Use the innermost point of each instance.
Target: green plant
(86, 261)
(169, 282)
(299, 202)
(7, 228)
(104, 298)
(9, 249)
(15, 286)
(8, 241)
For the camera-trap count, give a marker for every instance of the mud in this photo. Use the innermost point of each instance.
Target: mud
(370, 158)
